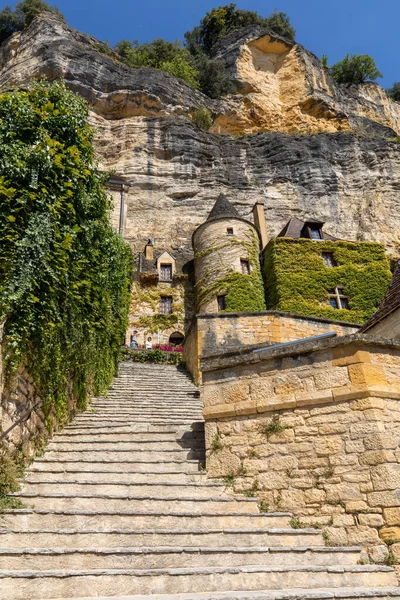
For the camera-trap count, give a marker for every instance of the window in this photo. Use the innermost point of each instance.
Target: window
(337, 299)
(315, 233)
(329, 261)
(166, 272)
(221, 302)
(245, 266)
(166, 305)
(229, 231)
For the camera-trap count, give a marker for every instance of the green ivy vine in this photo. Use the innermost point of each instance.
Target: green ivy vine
(147, 297)
(65, 276)
(298, 280)
(243, 293)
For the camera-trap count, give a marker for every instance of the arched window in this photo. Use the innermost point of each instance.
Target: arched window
(176, 338)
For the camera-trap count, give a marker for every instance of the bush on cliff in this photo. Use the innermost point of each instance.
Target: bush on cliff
(221, 21)
(394, 92)
(64, 274)
(25, 12)
(170, 57)
(355, 68)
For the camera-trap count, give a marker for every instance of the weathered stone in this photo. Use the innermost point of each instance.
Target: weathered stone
(327, 446)
(386, 477)
(390, 534)
(363, 536)
(371, 520)
(392, 515)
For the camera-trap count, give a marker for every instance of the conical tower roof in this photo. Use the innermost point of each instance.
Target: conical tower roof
(223, 209)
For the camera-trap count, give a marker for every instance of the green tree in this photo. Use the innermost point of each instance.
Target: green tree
(64, 274)
(223, 20)
(25, 12)
(324, 61)
(355, 68)
(394, 92)
(213, 78)
(160, 54)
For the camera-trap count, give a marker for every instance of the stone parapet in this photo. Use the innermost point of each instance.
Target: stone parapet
(312, 428)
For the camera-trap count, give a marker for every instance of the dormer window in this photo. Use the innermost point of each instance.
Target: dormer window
(165, 272)
(229, 230)
(312, 230)
(315, 233)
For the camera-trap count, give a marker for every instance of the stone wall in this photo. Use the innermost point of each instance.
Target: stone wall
(313, 428)
(222, 331)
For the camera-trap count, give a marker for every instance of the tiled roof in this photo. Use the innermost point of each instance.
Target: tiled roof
(223, 209)
(390, 302)
(294, 228)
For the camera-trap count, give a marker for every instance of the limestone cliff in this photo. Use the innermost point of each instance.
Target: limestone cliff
(284, 87)
(177, 171)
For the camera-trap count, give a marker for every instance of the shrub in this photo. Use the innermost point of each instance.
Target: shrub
(355, 68)
(394, 92)
(170, 57)
(202, 118)
(25, 12)
(65, 276)
(213, 78)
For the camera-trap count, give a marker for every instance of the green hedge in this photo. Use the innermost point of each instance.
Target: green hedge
(297, 279)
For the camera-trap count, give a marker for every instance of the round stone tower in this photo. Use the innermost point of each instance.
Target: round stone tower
(227, 267)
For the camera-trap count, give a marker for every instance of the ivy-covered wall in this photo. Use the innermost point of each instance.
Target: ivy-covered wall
(217, 272)
(297, 279)
(145, 316)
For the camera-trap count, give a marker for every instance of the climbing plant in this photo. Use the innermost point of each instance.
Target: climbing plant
(298, 280)
(64, 274)
(243, 293)
(146, 298)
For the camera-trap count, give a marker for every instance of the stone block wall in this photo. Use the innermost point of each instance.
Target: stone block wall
(218, 332)
(314, 430)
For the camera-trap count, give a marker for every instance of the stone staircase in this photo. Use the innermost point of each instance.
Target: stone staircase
(121, 510)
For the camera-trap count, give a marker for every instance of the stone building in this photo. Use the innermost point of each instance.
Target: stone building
(310, 272)
(162, 297)
(386, 321)
(227, 262)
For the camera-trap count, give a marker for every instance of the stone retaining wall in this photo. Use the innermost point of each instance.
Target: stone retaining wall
(218, 332)
(314, 429)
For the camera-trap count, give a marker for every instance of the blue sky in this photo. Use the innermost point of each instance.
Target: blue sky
(332, 27)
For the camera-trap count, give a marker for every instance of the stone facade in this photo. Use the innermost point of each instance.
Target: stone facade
(313, 428)
(219, 247)
(215, 333)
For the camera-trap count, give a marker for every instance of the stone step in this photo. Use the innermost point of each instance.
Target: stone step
(383, 593)
(125, 464)
(140, 519)
(118, 454)
(127, 435)
(99, 501)
(125, 489)
(166, 557)
(34, 475)
(150, 410)
(125, 444)
(101, 537)
(87, 419)
(25, 584)
(195, 426)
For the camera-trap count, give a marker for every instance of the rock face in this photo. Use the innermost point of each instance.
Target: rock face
(284, 87)
(177, 171)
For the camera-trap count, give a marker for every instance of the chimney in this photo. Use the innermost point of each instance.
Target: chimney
(149, 250)
(259, 222)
